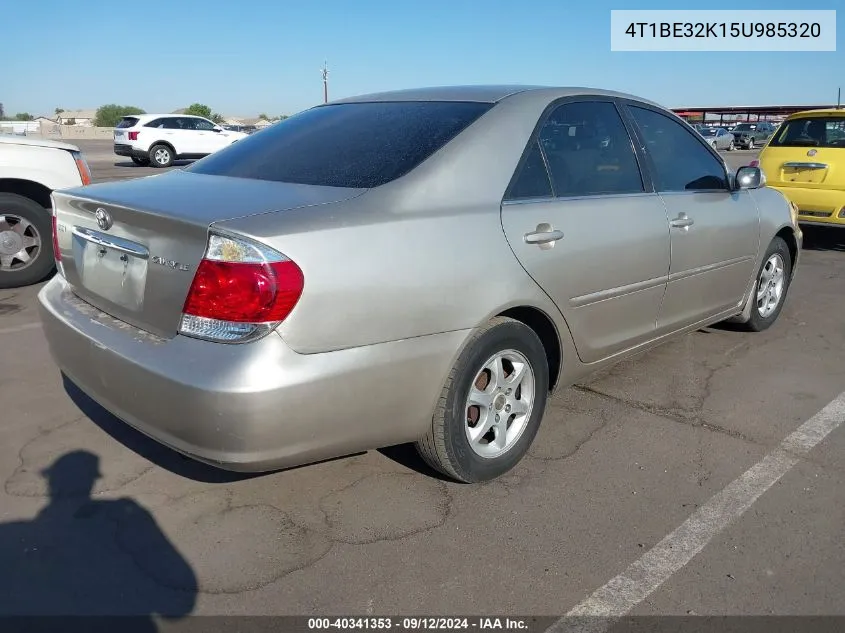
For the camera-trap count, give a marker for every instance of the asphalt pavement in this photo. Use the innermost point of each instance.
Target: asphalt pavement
(660, 487)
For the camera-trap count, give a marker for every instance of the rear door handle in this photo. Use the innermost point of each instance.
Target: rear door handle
(544, 235)
(681, 222)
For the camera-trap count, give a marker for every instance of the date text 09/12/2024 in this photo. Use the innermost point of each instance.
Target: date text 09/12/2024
(418, 624)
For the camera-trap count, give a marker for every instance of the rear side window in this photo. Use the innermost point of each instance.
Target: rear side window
(533, 178)
(358, 145)
(127, 121)
(811, 132)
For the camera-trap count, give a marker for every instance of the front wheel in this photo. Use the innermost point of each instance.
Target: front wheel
(731, 147)
(491, 405)
(751, 143)
(771, 287)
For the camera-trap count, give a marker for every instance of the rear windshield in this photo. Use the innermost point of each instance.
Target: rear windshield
(811, 132)
(127, 121)
(359, 145)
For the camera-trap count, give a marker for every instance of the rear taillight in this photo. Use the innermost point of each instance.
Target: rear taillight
(133, 136)
(754, 163)
(57, 253)
(241, 291)
(82, 167)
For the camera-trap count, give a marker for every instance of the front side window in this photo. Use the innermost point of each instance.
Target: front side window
(357, 145)
(203, 124)
(681, 162)
(811, 132)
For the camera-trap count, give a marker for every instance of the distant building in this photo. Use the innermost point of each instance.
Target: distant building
(83, 118)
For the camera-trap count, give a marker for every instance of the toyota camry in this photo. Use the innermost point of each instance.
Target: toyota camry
(421, 266)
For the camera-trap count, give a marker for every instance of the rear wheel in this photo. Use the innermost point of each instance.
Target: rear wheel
(751, 143)
(143, 162)
(491, 405)
(26, 254)
(731, 147)
(771, 287)
(161, 156)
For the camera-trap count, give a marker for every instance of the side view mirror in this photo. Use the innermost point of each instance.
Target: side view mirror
(217, 128)
(748, 177)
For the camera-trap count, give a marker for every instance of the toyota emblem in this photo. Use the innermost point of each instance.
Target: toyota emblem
(104, 220)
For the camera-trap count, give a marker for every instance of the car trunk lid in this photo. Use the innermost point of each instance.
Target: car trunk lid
(131, 248)
(806, 167)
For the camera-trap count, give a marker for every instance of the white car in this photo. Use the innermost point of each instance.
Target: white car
(30, 171)
(160, 139)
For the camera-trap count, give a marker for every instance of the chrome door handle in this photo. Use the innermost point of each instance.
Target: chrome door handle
(544, 234)
(681, 222)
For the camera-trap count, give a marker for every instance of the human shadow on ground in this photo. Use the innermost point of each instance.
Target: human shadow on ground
(83, 561)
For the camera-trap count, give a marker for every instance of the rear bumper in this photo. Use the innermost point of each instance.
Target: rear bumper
(252, 407)
(824, 207)
(122, 149)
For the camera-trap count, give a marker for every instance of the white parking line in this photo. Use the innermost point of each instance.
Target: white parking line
(19, 328)
(599, 611)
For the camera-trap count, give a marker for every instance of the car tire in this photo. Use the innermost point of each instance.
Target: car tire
(448, 447)
(161, 156)
(731, 147)
(143, 162)
(776, 273)
(751, 143)
(18, 211)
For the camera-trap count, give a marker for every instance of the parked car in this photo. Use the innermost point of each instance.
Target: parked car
(30, 170)
(718, 137)
(160, 139)
(416, 266)
(751, 135)
(805, 160)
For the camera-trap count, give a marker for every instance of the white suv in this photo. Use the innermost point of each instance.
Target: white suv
(159, 139)
(31, 169)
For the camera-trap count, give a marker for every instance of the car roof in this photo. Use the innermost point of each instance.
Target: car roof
(820, 112)
(485, 94)
(39, 142)
(158, 116)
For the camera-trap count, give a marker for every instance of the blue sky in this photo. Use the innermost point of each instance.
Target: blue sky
(244, 58)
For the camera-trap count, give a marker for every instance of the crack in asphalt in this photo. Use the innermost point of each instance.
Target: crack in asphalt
(26, 465)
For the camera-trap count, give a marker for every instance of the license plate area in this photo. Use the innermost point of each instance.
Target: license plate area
(803, 174)
(111, 268)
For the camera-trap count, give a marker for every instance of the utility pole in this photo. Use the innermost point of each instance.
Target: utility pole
(325, 72)
(838, 97)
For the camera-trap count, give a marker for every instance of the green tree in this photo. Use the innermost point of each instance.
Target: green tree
(2, 111)
(282, 117)
(217, 118)
(58, 111)
(109, 115)
(264, 117)
(199, 109)
(24, 116)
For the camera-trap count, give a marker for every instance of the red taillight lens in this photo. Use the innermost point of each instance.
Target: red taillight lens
(754, 163)
(56, 252)
(244, 292)
(133, 136)
(241, 291)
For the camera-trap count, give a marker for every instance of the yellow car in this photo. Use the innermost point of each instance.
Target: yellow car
(805, 161)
